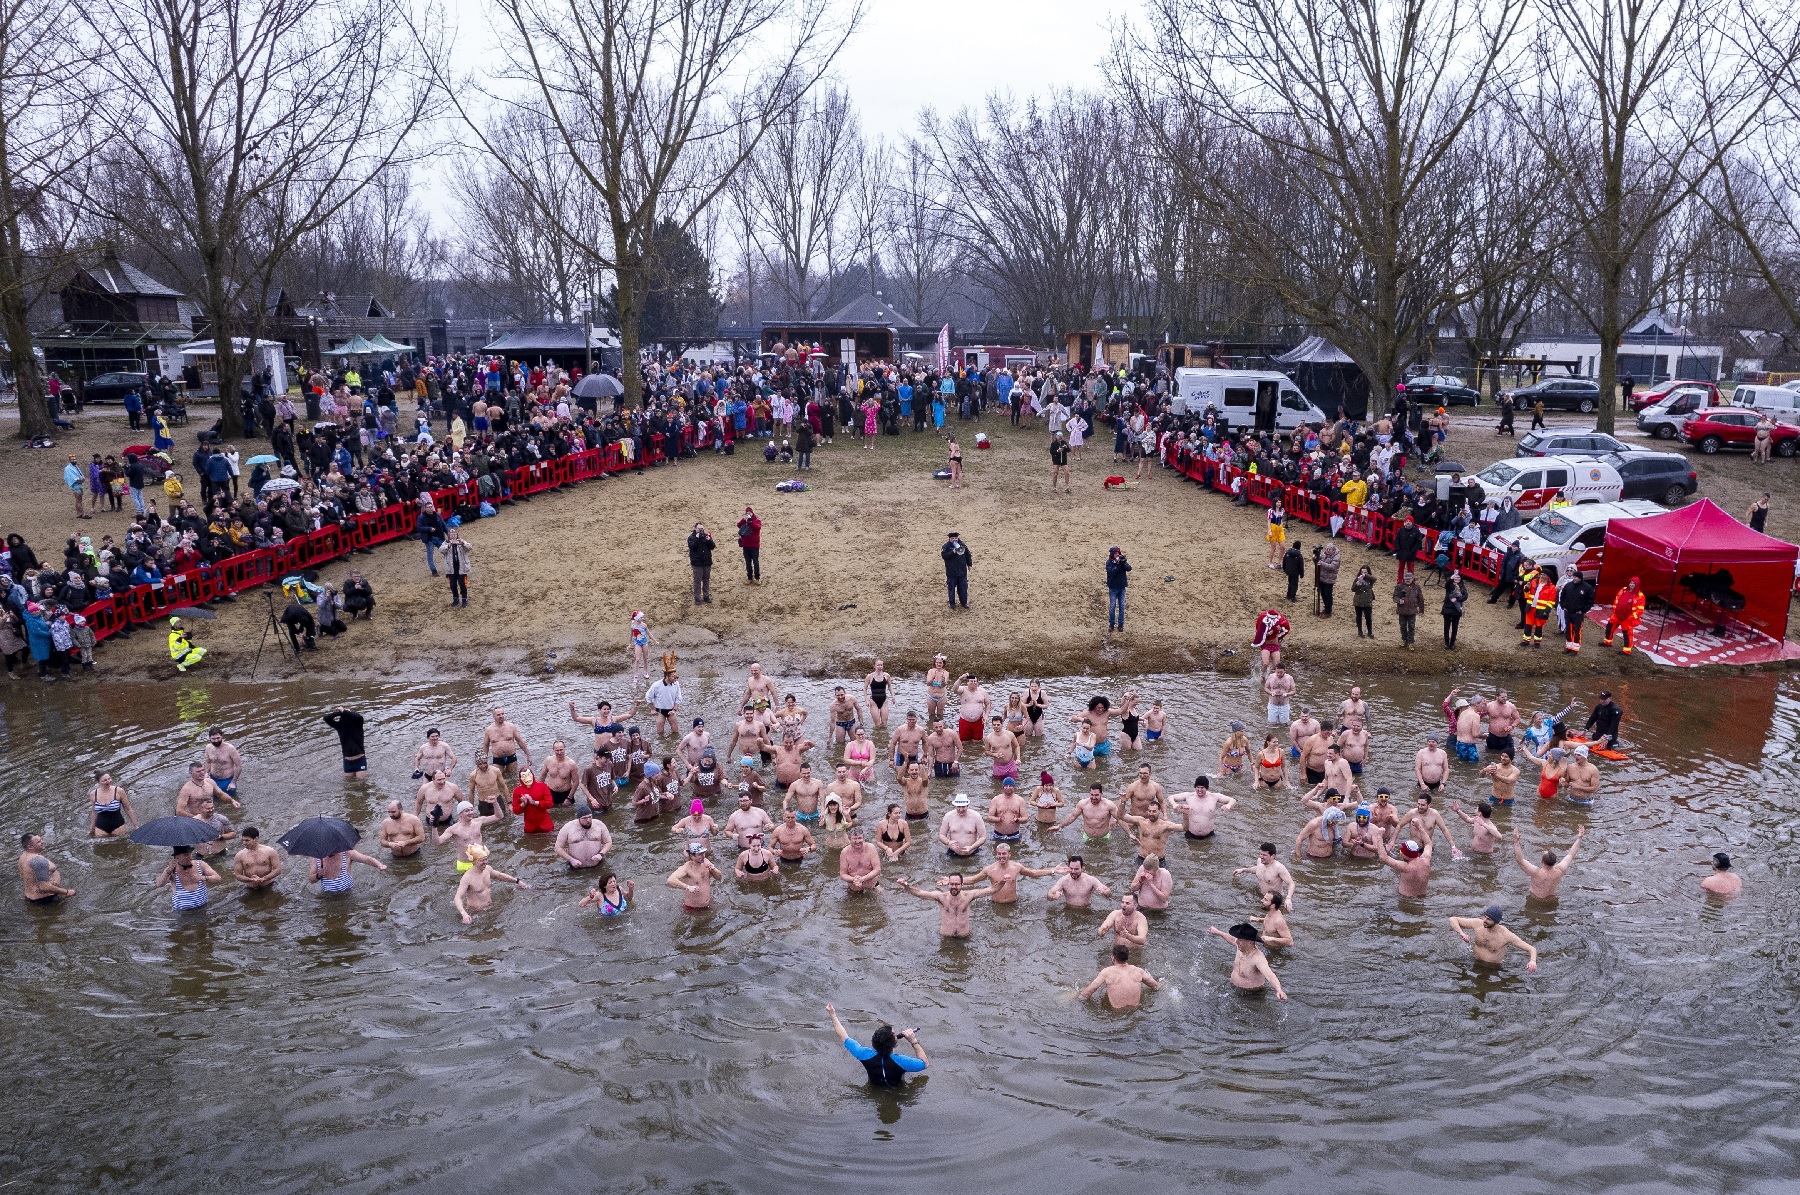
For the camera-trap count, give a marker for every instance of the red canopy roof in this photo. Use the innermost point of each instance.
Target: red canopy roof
(1701, 539)
(1701, 534)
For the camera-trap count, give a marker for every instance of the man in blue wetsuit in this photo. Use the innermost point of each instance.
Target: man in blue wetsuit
(886, 1068)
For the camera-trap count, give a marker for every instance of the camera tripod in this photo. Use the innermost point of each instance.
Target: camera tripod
(271, 623)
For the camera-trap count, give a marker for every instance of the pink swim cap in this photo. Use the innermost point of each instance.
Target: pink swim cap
(697, 807)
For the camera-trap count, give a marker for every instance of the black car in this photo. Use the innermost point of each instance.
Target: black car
(1561, 394)
(111, 387)
(1442, 390)
(1664, 477)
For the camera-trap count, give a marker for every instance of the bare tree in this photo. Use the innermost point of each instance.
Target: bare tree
(1508, 235)
(1347, 110)
(802, 179)
(921, 248)
(869, 229)
(1633, 105)
(43, 142)
(246, 125)
(657, 104)
(1756, 193)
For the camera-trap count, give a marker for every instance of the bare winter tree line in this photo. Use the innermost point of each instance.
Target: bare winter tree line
(1371, 170)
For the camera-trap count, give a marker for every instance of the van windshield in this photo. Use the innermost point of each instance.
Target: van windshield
(1555, 527)
(1498, 474)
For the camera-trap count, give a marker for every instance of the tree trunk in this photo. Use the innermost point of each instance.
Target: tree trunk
(628, 303)
(35, 417)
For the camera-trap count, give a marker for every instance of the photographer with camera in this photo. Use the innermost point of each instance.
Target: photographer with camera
(1117, 568)
(886, 1068)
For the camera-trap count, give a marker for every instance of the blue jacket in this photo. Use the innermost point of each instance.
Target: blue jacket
(37, 634)
(1116, 568)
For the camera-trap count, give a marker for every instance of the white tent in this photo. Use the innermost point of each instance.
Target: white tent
(268, 354)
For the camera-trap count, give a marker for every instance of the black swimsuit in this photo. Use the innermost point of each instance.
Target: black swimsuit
(1034, 711)
(878, 693)
(885, 837)
(754, 870)
(1131, 726)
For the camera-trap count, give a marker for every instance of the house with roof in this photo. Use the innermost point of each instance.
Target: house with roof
(116, 317)
(868, 326)
(1654, 349)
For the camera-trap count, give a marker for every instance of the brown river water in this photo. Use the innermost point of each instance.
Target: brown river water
(287, 1042)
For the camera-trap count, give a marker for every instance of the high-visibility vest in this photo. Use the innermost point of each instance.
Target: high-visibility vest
(1628, 607)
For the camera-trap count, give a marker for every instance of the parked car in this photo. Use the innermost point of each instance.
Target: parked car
(1640, 399)
(111, 387)
(1561, 394)
(1663, 419)
(1664, 477)
(1573, 537)
(1712, 430)
(1442, 390)
(1779, 402)
(1552, 441)
(1531, 482)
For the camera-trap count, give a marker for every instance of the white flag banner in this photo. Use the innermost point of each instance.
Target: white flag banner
(944, 349)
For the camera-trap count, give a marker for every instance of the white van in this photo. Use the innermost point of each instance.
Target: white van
(1532, 482)
(1780, 403)
(1245, 399)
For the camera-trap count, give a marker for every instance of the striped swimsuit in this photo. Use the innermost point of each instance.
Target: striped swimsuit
(341, 882)
(186, 899)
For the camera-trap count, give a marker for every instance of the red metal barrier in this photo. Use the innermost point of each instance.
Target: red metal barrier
(144, 602)
(247, 570)
(186, 589)
(105, 618)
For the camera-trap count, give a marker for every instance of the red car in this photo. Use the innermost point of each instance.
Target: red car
(1732, 427)
(1643, 398)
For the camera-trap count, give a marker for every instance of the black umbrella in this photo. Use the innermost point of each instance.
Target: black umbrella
(599, 385)
(317, 837)
(174, 831)
(191, 612)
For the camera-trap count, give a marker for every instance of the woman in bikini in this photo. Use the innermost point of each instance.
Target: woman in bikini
(1035, 705)
(859, 756)
(641, 639)
(753, 862)
(109, 809)
(1236, 752)
(609, 896)
(936, 681)
(892, 834)
(834, 823)
(1047, 800)
(1128, 724)
(1082, 749)
(1015, 715)
(877, 683)
(955, 463)
(791, 717)
(1271, 766)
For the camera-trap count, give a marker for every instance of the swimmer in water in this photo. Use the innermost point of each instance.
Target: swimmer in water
(1548, 872)
(1124, 982)
(1723, 881)
(1250, 971)
(1492, 940)
(1271, 874)
(1486, 835)
(1275, 929)
(609, 896)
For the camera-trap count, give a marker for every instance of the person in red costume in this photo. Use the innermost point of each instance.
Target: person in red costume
(1271, 629)
(532, 798)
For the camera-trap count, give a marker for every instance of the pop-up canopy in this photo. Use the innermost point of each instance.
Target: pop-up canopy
(1701, 560)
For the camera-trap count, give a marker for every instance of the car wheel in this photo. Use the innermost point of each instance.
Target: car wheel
(1586, 406)
(1665, 431)
(1675, 495)
(1784, 448)
(1711, 445)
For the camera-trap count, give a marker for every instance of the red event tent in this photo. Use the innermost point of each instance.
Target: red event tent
(1692, 544)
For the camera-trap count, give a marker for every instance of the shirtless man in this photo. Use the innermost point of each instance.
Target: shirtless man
(1353, 713)
(465, 831)
(199, 787)
(845, 713)
(1004, 874)
(1275, 929)
(953, 903)
(434, 755)
(1360, 837)
(1319, 837)
(1142, 793)
(441, 796)
(1300, 730)
(793, 841)
(1279, 688)
(1723, 882)
(1271, 874)
(788, 760)
(758, 688)
(1336, 774)
(583, 842)
(1492, 940)
(1468, 731)
(42, 879)
(1007, 812)
(1385, 816)
(1002, 748)
(1502, 716)
(962, 831)
(803, 795)
(944, 745)
(503, 742)
(1151, 831)
(1430, 765)
(1353, 746)
(1413, 867)
(402, 833)
(257, 865)
(1153, 884)
(971, 708)
(1126, 924)
(1250, 971)
(907, 741)
(859, 864)
(223, 763)
(475, 891)
(937, 680)
(847, 789)
(1123, 981)
(1315, 748)
(561, 775)
(1484, 836)
(1097, 815)
(693, 744)
(749, 736)
(1077, 888)
(915, 789)
(1427, 821)
(748, 819)
(1156, 721)
(484, 787)
(694, 878)
(1505, 776)
(1200, 809)
(1547, 874)
(1580, 777)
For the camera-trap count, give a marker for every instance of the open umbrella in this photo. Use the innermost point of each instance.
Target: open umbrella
(190, 612)
(262, 459)
(317, 837)
(280, 483)
(174, 831)
(599, 385)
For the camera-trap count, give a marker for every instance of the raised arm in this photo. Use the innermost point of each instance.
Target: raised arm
(1525, 865)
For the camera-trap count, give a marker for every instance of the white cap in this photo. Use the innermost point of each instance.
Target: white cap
(960, 800)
